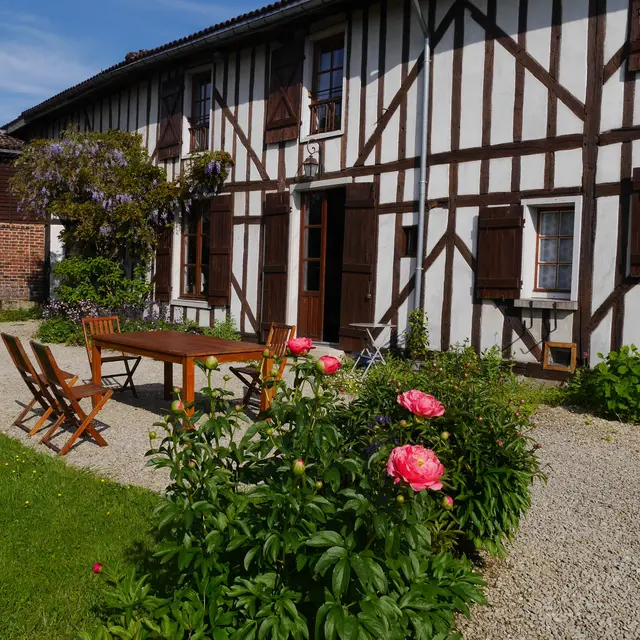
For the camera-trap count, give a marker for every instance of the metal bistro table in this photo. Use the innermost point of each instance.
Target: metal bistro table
(371, 351)
(181, 348)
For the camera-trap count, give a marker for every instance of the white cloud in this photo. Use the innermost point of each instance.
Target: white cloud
(209, 9)
(35, 63)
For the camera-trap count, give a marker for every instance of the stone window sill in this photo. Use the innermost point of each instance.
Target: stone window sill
(540, 303)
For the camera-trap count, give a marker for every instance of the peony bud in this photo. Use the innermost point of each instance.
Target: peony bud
(177, 406)
(192, 464)
(499, 443)
(328, 365)
(266, 353)
(447, 502)
(298, 467)
(319, 485)
(97, 567)
(152, 435)
(238, 408)
(479, 418)
(445, 435)
(226, 378)
(211, 363)
(403, 423)
(400, 499)
(269, 431)
(177, 390)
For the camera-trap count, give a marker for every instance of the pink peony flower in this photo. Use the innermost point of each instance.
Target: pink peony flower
(417, 466)
(421, 404)
(97, 567)
(300, 346)
(328, 365)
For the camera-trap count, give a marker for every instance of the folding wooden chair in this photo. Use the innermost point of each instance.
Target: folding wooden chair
(101, 326)
(67, 399)
(36, 383)
(279, 335)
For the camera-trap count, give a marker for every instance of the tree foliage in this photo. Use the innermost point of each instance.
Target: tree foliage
(103, 188)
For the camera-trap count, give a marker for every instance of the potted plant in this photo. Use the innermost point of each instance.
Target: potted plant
(204, 174)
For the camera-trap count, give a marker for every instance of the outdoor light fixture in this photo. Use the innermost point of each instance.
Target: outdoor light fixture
(311, 166)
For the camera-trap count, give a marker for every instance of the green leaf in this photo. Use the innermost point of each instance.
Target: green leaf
(340, 578)
(329, 558)
(325, 539)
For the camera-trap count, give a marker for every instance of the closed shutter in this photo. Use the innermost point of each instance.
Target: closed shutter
(162, 277)
(220, 249)
(358, 261)
(634, 240)
(285, 90)
(9, 202)
(275, 260)
(499, 252)
(170, 130)
(633, 63)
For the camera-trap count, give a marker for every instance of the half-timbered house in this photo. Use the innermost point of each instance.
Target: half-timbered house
(519, 119)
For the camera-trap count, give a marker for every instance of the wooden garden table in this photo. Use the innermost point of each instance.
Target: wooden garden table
(181, 348)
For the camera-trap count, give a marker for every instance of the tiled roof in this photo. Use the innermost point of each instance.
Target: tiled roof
(254, 19)
(8, 143)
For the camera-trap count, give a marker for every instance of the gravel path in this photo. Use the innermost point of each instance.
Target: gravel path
(124, 422)
(573, 571)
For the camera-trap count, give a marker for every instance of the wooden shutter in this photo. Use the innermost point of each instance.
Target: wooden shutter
(634, 240)
(358, 261)
(633, 63)
(275, 260)
(162, 277)
(285, 91)
(9, 202)
(499, 252)
(220, 249)
(170, 130)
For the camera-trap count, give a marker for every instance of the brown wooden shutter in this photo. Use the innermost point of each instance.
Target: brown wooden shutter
(499, 252)
(170, 130)
(358, 261)
(275, 260)
(633, 63)
(220, 250)
(634, 240)
(9, 202)
(285, 91)
(162, 277)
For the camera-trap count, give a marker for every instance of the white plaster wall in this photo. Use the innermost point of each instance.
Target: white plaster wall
(461, 300)
(504, 81)
(441, 96)
(384, 263)
(631, 333)
(500, 174)
(472, 81)
(491, 325)
(568, 168)
(469, 177)
(601, 339)
(606, 242)
(532, 172)
(608, 168)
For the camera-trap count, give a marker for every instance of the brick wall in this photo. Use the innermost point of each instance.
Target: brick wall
(21, 262)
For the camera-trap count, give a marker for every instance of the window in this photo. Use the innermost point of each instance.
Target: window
(195, 251)
(410, 242)
(554, 260)
(326, 91)
(200, 111)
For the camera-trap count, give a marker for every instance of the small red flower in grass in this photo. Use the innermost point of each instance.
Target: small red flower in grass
(447, 502)
(499, 443)
(97, 567)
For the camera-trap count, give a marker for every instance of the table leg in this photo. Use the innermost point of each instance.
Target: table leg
(168, 380)
(266, 395)
(188, 383)
(96, 371)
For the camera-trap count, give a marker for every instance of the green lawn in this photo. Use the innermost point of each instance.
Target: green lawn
(55, 522)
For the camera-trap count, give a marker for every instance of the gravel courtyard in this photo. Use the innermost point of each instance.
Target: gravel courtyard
(573, 571)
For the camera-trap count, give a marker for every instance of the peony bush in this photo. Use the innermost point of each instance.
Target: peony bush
(323, 519)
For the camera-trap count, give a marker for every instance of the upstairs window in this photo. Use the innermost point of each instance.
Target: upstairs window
(554, 263)
(195, 251)
(200, 112)
(327, 80)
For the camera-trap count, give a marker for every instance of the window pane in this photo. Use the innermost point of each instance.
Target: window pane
(338, 58)
(548, 250)
(566, 250)
(204, 272)
(312, 276)
(549, 223)
(190, 249)
(337, 122)
(190, 280)
(313, 242)
(547, 276)
(324, 84)
(336, 81)
(313, 209)
(566, 223)
(206, 218)
(190, 222)
(564, 277)
(324, 61)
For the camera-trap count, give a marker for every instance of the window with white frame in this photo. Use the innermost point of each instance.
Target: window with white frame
(325, 84)
(200, 112)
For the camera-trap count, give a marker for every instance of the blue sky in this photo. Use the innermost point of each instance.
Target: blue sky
(49, 45)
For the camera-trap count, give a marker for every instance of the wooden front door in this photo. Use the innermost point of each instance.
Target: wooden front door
(358, 261)
(312, 265)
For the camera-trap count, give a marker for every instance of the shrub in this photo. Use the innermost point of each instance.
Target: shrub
(296, 529)
(417, 342)
(615, 385)
(205, 173)
(20, 315)
(100, 281)
(60, 330)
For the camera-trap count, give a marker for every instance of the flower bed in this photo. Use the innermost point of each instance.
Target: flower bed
(328, 520)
